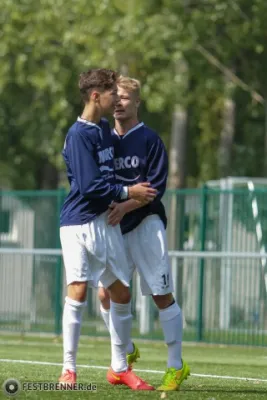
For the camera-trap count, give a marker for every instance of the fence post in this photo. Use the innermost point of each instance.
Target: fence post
(58, 297)
(203, 226)
(180, 218)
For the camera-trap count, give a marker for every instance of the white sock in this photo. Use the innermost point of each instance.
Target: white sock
(105, 316)
(172, 324)
(72, 317)
(120, 324)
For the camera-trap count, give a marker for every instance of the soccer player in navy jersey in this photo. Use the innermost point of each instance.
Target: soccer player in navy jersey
(140, 156)
(93, 250)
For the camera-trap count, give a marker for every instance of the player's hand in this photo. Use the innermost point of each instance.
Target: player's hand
(142, 192)
(116, 213)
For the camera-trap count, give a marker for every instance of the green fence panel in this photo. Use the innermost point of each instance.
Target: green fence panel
(30, 219)
(224, 299)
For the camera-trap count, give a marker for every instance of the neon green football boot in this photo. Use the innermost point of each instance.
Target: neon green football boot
(132, 357)
(173, 378)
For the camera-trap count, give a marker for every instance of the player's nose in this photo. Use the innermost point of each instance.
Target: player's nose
(118, 98)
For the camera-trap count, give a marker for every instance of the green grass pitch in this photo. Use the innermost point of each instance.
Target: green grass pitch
(215, 370)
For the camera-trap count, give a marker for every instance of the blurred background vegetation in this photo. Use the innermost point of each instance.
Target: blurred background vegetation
(202, 64)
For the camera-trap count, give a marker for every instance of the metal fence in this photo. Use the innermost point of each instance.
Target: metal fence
(217, 242)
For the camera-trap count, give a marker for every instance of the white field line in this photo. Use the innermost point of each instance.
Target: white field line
(150, 371)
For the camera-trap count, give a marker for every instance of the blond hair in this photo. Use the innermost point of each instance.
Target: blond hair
(129, 84)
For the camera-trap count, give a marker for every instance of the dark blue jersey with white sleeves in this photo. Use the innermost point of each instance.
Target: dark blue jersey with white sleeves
(89, 156)
(140, 156)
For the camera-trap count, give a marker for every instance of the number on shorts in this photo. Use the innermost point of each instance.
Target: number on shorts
(166, 280)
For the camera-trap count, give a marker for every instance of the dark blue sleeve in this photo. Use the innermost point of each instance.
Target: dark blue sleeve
(157, 166)
(86, 171)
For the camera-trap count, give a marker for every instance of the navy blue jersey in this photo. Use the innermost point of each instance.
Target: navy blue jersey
(140, 156)
(89, 157)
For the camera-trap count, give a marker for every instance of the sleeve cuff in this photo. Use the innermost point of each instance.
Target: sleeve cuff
(124, 193)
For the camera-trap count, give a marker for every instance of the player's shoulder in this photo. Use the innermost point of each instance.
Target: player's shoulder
(72, 131)
(151, 135)
(86, 128)
(149, 132)
(83, 126)
(83, 130)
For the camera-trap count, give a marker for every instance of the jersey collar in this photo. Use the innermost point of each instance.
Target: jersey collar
(84, 121)
(130, 131)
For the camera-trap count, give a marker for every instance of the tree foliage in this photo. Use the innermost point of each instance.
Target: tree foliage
(45, 45)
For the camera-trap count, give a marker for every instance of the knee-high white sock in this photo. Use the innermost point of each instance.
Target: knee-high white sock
(105, 316)
(120, 324)
(72, 318)
(172, 324)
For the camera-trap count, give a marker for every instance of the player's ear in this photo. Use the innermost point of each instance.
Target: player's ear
(137, 102)
(95, 96)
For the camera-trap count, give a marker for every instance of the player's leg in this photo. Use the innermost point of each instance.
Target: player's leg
(120, 324)
(150, 254)
(171, 320)
(133, 352)
(76, 266)
(116, 279)
(104, 297)
(109, 269)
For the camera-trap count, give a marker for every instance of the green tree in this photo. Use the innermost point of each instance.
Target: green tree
(152, 41)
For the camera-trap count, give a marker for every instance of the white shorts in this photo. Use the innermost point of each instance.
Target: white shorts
(147, 251)
(94, 252)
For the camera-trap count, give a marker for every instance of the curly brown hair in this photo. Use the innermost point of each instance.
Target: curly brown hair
(101, 79)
